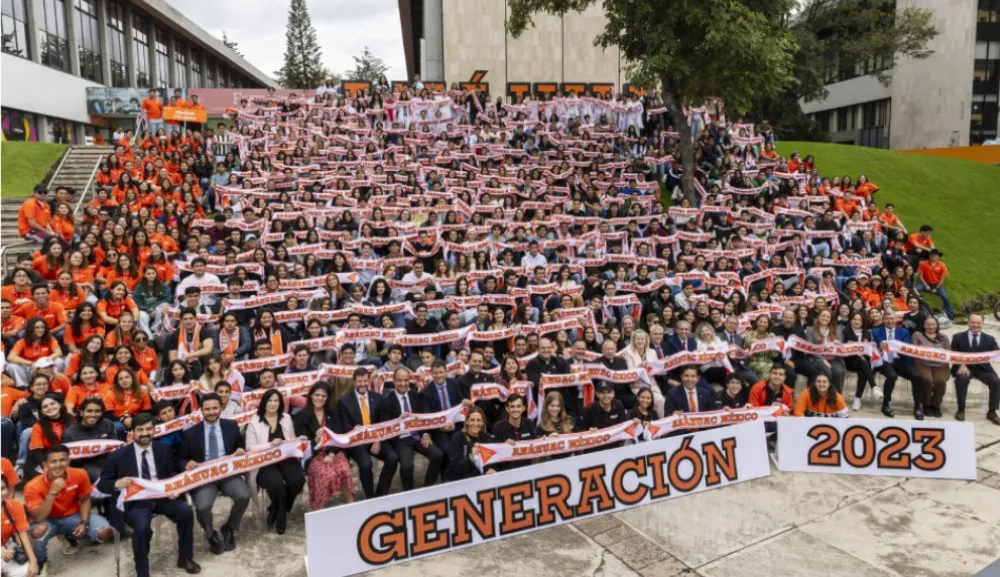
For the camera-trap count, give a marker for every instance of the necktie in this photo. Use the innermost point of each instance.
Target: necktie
(406, 409)
(365, 417)
(730, 339)
(684, 343)
(692, 401)
(444, 398)
(146, 474)
(659, 352)
(975, 341)
(213, 443)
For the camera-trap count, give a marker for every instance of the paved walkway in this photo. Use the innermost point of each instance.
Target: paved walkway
(785, 525)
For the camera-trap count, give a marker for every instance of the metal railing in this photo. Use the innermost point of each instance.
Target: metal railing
(61, 162)
(83, 193)
(3, 254)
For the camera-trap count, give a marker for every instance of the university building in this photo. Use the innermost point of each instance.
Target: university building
(53, 50)
(947, 99)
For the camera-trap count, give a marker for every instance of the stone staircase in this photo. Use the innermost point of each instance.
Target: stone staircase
(75, 171)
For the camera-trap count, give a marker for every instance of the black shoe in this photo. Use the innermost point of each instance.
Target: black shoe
(887, 410)
(280, 526)
(918, 413)
(215, 543)
(272, 516)
(992, 417)
(190, 566)
(228, 538)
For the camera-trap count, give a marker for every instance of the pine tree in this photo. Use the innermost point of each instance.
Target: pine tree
(231, 44)
(367, 67)
(303, 67)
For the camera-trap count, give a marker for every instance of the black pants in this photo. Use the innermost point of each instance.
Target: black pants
(988, 378)
(861, 367)
(363, 457)
(283, 482)
(405, 448)
(139, 516)
(900, 368)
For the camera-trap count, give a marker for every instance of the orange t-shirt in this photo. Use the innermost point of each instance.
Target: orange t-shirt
(53, 314)
(7, 469)
(64, 227)
(38, 438)
(34, 352)
(112, 371)
(63, 298)
(147, 359)
(9, 396)
(131, 403)
(19, 523)
(804, 407)
(67, 502)
(932, 272)
(41, 264)
(77, 394)
(79, 340)
(115, 310)
(13, 323)
(15, 296)
(915, 241)
(153, 108)
(83, 275)
(40, 211)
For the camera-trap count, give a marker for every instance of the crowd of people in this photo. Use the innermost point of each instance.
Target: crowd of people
(324, 263)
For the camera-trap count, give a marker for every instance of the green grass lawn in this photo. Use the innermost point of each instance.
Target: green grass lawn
(957, 197)
(25, 164)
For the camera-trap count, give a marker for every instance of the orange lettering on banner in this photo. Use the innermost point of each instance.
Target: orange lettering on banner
(391, 545)
(518, 89)
(637, 466)
(466, 514)
(515, 516)
(427, 538)
(197, 115)
(351, 87)
(657, 462)
(476, 80)
(716, 462)
(578, 87)
(546, 88)
(553, 492)
(601, 89)
(593, 487)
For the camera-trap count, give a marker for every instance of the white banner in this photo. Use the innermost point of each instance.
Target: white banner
(943, 450)
(375, 533)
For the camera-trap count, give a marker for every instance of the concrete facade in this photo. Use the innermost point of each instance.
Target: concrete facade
(556, 49)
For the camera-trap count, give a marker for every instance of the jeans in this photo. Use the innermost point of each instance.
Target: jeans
(7, 432)
(939, 291)
(66, 526)
(23, 440)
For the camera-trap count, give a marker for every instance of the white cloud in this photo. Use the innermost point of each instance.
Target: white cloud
(344, 28)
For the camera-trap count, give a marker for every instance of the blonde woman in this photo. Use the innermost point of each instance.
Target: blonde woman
(715, 371)
(638, 354)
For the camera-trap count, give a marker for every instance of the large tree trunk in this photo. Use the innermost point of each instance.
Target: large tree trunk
(675, 107)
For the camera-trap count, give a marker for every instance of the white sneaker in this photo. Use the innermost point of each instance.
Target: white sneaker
(67, 547)
(877, 391)
(857, 404)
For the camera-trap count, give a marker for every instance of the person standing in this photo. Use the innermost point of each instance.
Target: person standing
(975, 340)
(329, 472)
(152, 461)
(153, 107)
(212, 439)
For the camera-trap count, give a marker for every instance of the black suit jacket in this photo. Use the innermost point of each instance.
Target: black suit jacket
(431, 402)
(673, 345)
(193, 442)
(677, 401)
(961, 343)
(349, 410)
(850, 337)
(121, 463)
(392, 409)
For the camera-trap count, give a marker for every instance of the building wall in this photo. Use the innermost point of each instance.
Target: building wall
(554, 50)
(854, 91)
(36, 88)
(932, 98)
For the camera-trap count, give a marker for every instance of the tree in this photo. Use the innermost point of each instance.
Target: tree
(864, 36)
(303, 67)
(367, 67)
(735, 50)
(231, 44)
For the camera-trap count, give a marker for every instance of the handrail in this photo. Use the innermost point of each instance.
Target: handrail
(83, 195)
(61, 162)
(3, 257)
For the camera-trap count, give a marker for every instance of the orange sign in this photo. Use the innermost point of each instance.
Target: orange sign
(351, 87)
(199, 115)
(601, 89)
(546, 88)
(578, 87)
(518, 89)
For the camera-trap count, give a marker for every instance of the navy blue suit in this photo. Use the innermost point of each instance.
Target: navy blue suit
(139, 514)
(901, 365)
(674, 345)
(962, 342)
(677, 400)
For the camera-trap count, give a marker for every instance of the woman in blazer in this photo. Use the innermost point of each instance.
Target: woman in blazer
(826, 331)
(283, 480)
(329, 471)
(935, 374)
(637, 354)
(460, 462)
(861, 365)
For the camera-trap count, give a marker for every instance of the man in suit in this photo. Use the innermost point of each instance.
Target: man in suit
(689, 397)
(439, 395)
(475, 376)
(362, 407)
(402, 401)
(210, 439)
(731, 336)
(145, 459)
(895, 365)
(548, 363)
(975, 340)
(623, 391)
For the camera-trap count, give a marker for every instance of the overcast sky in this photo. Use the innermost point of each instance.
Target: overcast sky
(343, 27)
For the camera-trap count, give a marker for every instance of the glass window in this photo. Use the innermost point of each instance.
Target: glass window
(987, 50)
(19, 126)
(162, 58)
(196, 69)
(180, 59)
(51, 15)
(140, 45)
(88, 39)
(117, 45)
(210, 79)
(15, 28)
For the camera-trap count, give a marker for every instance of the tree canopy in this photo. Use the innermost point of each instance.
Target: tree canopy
(231, 44)
(367, 66)
(303, 66)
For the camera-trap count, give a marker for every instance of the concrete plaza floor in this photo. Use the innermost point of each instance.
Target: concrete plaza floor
(785, 525)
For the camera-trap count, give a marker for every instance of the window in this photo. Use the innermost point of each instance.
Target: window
(822, 119)
(210, 79)
(162, 58)
(180, 59)
(51, 15)
(196, 69)
(15, 28)
(140, 45)
(88, 39)
(987, 50)
(17, 125)
(875, 113)
(224, 76)
(117, 45)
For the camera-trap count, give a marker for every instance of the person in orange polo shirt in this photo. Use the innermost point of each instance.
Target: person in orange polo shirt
(59, 502)
(153, 107)
(932, 274)
(125, 399)
(920, 244)
(195, 105)
(34, 219)
(11, 325)
(41, 307)
(15, 529)
(36, 344)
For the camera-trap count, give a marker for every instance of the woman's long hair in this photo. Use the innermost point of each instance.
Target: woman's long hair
(815, 396)
(565, 424)
(46, 423)
(262, 407)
